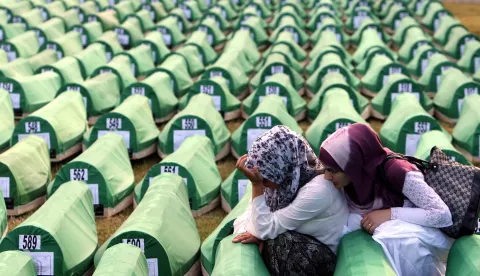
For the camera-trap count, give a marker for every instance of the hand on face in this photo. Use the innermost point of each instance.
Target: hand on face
(372, 220)
(252, 174)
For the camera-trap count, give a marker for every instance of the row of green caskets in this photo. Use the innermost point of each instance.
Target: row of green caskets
(149, 243)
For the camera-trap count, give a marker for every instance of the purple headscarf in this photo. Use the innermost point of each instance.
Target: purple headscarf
(357, 151)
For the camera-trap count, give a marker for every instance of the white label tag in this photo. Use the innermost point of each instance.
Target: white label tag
(470, 91)
(43, 262)
(167, 38)
(341, 124)
(424, 64)
(95, 194)
(140, 243)
(152, 267)
(8, 86)
(29, 242)
(411, 143)
(79, 174)
(44, 136)
(169, 169)
(476, 64)
(206, 89)
(252, 134)
(138, 90)
(405, 87)
(439, 79)
(32, 127)
(124, 133)
(242, 186)
(180, 135)
(217, 100)
(276, 69)
(263, 121)
(272, 90)
(190, 123)
(459, 105)
(114, 123)
(5, 186)
(422, 127)
(150, 179)
(216, 74)
(357, 21)
(416, 94)
(123, 39)
(15, 100)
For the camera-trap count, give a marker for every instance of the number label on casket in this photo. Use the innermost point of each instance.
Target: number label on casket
(114, 123)
(216, 74)
(7, 86)
(341, 124)
(189, 123)
(272, 90)
(206, 89)
(277, 69)
(79, 174)
(138, 90)
(140, 243)
(29, 242)
(404, 87)
(263, 121)
(470, 91)
(32, 127)
(169, 169)
(422, 127)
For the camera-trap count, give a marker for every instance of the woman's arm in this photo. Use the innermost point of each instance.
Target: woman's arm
(311, 200)
(430, 209)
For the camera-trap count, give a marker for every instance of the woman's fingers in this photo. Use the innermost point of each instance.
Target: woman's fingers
(241, 160)
(257, 173)
(241, 237)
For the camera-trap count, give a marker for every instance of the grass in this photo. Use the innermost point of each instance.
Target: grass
(468, 15)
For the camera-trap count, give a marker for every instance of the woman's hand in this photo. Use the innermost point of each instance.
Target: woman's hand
(249, 238)
(252, 174)
(372, 220)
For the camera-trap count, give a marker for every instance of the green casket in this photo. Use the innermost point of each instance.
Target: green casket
(238, 259)
(455, 46)
(359, 254)
(155, 227)
(157, 45)
(337, 81)
(30, 93)
(172, 35)
(230, 69)
(24, 175)
(454, 87)
(271, 112)
(141, 59)
(7, 122)
(381, 67)
(106, 169)
(418, 65)
(61, 123)
(24, 45)
(133, 121)
(462, 258)
(470, 60)
(437, 64)
(205, 121)
(176, 66)
(337, 112)
(217, 88)
(68, 68)
(16, 263)
(90, 32)
(233, 189)
(130, 32)
(398, 83)
(121, 66)
(158, 89)
(100, 94)
(68, 44)
(65, 243)
(122, 260)
(91, 58)
(466, 134)
(278, 84)
(403, 129)
(194, 161)
(438, 139)
(49, 30)
(225, 228)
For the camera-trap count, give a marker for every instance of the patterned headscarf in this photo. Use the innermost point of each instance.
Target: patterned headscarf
(285, 158)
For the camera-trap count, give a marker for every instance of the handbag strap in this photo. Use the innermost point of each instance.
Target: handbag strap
(422, 165)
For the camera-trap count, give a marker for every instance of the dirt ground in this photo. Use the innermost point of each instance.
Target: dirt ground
(468, 14)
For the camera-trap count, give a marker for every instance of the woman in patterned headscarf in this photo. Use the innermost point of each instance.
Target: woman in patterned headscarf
(299, 215)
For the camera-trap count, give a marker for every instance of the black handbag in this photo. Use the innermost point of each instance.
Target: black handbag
(457, 185)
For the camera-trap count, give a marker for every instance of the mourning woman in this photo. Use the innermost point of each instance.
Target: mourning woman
(295, 215)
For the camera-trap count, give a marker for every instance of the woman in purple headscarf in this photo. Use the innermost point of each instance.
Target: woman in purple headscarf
(402, 212)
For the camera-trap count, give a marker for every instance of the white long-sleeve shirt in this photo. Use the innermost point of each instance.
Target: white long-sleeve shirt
(319, 210)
